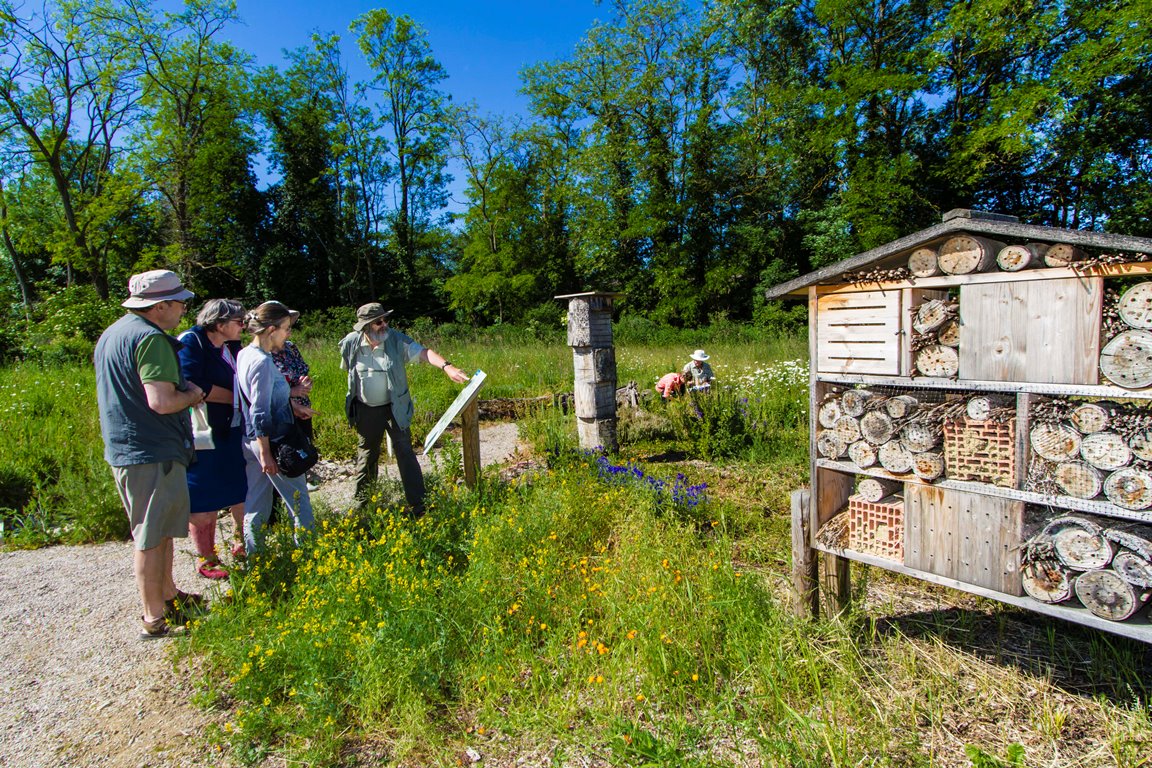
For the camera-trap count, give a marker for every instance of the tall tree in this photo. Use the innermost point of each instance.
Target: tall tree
(69, 90)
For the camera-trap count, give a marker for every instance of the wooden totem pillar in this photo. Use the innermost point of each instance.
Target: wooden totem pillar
(594, 360)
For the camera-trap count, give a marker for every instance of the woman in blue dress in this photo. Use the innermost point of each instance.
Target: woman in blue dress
(216, 480)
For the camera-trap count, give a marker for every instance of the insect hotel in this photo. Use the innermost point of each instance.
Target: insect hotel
(981, 418)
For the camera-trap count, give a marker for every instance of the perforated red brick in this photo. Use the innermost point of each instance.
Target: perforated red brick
(877, 528)
(984, 451)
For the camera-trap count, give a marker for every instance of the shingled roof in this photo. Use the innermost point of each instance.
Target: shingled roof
(955, 221)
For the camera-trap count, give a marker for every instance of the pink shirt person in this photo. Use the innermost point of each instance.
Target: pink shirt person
(670, 384)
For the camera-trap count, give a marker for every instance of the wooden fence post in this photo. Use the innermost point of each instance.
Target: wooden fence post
(805, 566)
(837, 584)
(470, 437)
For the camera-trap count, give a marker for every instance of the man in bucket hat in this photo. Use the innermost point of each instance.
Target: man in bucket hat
(378, 401)
(697, 373)
(144, 401)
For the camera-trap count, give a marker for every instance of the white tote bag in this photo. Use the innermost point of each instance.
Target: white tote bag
(201, 432)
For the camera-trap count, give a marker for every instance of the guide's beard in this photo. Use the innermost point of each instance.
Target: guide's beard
(378, 337)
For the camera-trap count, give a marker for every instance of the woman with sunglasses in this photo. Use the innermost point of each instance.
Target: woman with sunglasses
(216, 479)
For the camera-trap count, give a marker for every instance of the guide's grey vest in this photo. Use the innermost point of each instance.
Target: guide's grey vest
(394, 346)
(133, 432)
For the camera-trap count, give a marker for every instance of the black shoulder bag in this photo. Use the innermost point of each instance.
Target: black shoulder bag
(294, 452)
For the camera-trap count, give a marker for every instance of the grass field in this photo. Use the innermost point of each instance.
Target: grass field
(610, 610)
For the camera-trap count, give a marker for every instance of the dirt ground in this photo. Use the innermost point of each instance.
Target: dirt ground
(77, 685)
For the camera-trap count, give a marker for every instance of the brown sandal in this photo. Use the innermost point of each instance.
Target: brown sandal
(184, 606)
(158, 629)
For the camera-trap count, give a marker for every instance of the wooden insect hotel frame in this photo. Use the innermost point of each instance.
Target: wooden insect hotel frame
(981, 418)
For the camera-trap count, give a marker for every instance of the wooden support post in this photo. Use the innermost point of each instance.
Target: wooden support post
(805, 566)
(470, 437)
(837, 584)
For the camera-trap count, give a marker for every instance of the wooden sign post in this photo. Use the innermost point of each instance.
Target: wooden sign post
(594, 360)
(469, 410)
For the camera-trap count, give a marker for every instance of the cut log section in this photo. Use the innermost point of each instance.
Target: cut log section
(1062, 255)
(854, 401)
(939, 361)
(980, 407)
(1079, 543)
(1109, 596)
(1055, 442)
(923, 262)
(1013, 258)
(1075, 478)
(877, 428)
(1133, 568)
(895, 458)
(928, 466)
(1135, 306)
(1126, 360)
(1047, 582)
(1134, 537)
(901, 406)
(949, 333)
(919, 436)
(1129, 488)
(874, 489)
(1105, 450)
(847, 429)
(862, 454)
(966, 254)
(829, 413)
(931, 315)
(829, 445)
(1089, 418)
(1141, 445)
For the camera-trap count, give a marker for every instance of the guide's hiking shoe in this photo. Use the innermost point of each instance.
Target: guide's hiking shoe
(159, 629)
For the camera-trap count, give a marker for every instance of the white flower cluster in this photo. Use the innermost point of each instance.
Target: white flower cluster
(789, 374)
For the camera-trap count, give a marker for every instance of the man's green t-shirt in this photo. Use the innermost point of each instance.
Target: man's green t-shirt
(157, 361)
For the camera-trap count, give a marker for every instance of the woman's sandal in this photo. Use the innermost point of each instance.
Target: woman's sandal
(158, 629)
(211, 569)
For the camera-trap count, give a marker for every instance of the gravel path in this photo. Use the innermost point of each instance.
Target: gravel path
(77, 686)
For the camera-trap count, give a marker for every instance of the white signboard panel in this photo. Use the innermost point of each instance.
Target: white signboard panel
(466, 396)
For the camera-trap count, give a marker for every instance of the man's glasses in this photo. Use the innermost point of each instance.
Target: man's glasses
(379, 323)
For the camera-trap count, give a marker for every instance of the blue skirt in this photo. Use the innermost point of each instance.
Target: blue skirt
(216, 480)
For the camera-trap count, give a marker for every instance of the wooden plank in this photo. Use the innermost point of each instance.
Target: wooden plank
(805, 563)
(830, 492)
(1133, 269)
(837, 585)
(999, 229)
(470, 438)
(859, 333)
(929, 511)
(1023, 433)
(989, 541)
(1138, 627)
(1042, 332)
(978, 385)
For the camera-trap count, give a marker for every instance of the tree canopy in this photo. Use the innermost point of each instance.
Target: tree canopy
(685, 153)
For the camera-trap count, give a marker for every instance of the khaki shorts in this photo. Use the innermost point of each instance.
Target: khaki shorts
(155, 496)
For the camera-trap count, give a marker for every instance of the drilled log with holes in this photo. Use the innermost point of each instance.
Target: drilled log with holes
(1055, 441)
(847, 430)
(876, 427)
(1063, 255)
(854, 401)
(829, 445)
(901, 406)
(981, 407)
(966, 254)
(829, 412)
(920, 436)
(923, 262)
(1130, 488)
(1105, 450)
(862, 454)
(949, 333)
(1047, 581)
(939, 361)
(928, 466)
(874, 489)
(1013, 258)
(1075, 478)
(931, 315)
(1135, 306)
(1079, 542)
(895, 458)
(1108, 596)
(1126, 360)
(1089, 418)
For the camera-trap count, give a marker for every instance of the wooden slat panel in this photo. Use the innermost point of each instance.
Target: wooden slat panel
(930, 513)
(859, 333)
(1044, 332)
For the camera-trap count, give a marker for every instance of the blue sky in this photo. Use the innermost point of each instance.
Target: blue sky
(482, 44)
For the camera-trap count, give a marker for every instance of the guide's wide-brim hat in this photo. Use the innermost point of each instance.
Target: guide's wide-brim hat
(370, 313)
(148, 288)
(700, 355)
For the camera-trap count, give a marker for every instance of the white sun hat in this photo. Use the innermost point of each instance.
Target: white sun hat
(700, 355)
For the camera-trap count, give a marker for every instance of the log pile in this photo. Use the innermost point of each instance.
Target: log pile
(1126, 358)
(898, 433)
(1085, 449)
(966, 254)
(936, 338)
(1105, 564)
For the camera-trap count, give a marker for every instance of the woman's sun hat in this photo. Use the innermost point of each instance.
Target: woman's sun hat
(700, 355)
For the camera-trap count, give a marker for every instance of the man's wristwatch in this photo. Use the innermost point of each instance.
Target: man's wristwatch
(445, 366)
